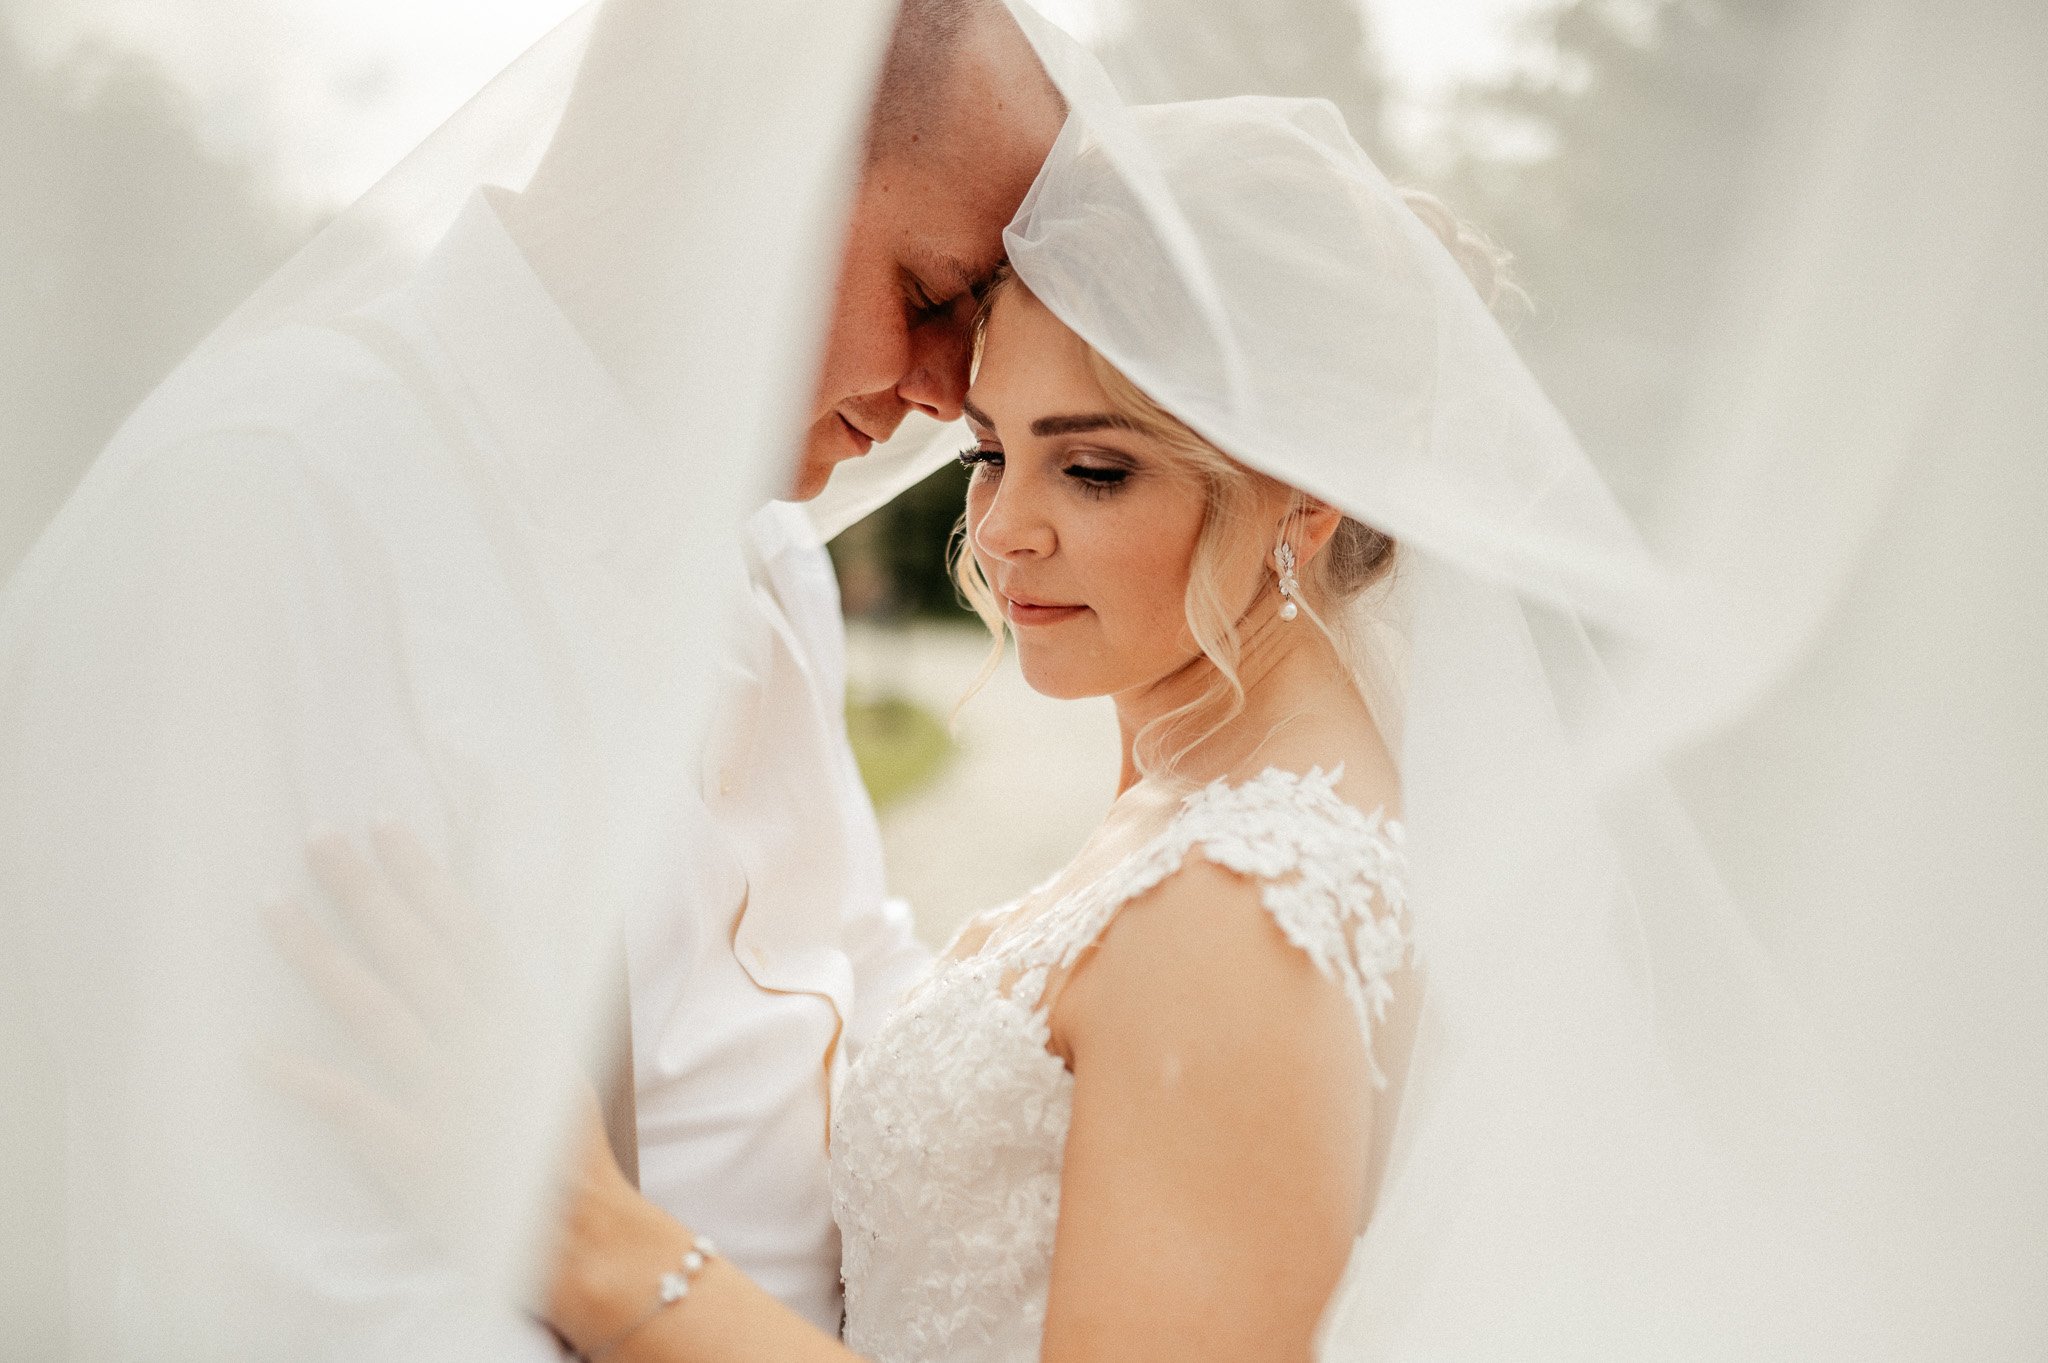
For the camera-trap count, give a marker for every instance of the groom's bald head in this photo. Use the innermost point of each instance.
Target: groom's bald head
(963, 119)
(964, 116)
(916, 94)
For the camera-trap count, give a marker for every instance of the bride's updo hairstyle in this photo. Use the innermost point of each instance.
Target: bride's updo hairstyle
(1357, 557)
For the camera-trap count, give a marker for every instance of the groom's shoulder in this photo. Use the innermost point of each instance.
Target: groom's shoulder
(297, 454)
(302, 402)
(305, 421)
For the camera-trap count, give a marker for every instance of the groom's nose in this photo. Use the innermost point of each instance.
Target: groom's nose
(940, 351)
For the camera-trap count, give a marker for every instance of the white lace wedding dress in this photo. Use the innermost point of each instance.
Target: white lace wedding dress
(949, 1132)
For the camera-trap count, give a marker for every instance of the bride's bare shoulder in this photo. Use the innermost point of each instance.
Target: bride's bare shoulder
(1195, 959)
(1195, 964)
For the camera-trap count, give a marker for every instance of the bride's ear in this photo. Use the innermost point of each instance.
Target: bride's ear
(1314, 523)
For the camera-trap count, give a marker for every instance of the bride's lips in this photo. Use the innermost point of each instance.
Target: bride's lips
(1022, 610)
(862, 441)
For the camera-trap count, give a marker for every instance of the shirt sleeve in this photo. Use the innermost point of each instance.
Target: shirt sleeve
(887, 960)
(878, 933)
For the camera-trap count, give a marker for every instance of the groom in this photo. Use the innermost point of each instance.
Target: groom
(305, 604)
(735, 1043)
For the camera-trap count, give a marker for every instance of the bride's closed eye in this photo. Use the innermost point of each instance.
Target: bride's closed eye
(975, 458)
(1096, 480)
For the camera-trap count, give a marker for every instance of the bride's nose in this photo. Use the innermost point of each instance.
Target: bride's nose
(1012, 526)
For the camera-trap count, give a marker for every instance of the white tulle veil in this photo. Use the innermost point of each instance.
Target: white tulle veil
(1620, 1136)
(1653, 1107)
(168, 1196)
(1580, 1162)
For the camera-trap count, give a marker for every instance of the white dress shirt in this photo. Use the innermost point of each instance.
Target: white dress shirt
(760, 945)
(775, 953)
(402, 566)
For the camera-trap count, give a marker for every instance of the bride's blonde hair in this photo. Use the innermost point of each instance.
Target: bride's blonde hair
(1356, 558)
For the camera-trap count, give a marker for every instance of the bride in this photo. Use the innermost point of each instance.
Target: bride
(1130, 1115)
(1252, 458)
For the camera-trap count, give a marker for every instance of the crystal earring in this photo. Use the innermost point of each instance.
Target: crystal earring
(1284, 558)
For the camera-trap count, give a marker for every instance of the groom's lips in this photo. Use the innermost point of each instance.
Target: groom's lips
(862, 441)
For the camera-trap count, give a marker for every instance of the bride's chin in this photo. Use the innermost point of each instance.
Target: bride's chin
(1045, 676)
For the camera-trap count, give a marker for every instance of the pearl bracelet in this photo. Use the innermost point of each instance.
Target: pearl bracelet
(671, 1288)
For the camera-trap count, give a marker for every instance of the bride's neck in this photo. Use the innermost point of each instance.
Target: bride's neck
(1287, 668)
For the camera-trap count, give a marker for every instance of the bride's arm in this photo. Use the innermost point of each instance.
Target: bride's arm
(1216, 1163)
(1213, 1175)
(1214, 1170)
(615, 1248)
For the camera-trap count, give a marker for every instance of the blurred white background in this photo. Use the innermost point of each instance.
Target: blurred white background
(160, 160)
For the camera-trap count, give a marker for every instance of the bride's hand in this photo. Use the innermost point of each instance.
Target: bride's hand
(414, 976)
(614, 1244)
(430, 996)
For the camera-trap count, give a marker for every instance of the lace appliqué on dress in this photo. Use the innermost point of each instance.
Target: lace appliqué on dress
(949, 1132)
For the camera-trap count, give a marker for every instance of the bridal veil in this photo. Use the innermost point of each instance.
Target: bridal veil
(687, 169)
(1646, 1117)
(1685, 1085)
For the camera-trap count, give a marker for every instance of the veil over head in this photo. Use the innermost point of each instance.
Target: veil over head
(1589, 1152)
(1646, 1117)
(1599, 1151)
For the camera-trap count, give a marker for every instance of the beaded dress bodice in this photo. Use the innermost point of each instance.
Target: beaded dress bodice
(949, 1132)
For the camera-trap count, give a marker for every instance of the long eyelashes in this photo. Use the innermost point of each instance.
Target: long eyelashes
(1097, 482)
(1091, 480)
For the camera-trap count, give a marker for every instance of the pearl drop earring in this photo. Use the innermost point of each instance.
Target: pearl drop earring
(1289, 586)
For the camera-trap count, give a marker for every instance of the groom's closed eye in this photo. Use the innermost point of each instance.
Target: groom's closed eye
(924, 299)
(940, 281)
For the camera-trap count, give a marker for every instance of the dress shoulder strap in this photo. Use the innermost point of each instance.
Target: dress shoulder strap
(1330, 875)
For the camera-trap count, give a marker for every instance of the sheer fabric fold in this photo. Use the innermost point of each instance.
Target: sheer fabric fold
(363, 557)
(1591, 1155)
(1655, 1072)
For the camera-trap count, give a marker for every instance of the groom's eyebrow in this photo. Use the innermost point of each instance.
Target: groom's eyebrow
(948, 277)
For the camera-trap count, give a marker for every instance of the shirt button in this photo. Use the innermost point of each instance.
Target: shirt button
(726, 782)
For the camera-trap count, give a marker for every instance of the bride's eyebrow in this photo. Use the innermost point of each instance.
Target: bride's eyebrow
(1058, 425)
(1077, 425)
